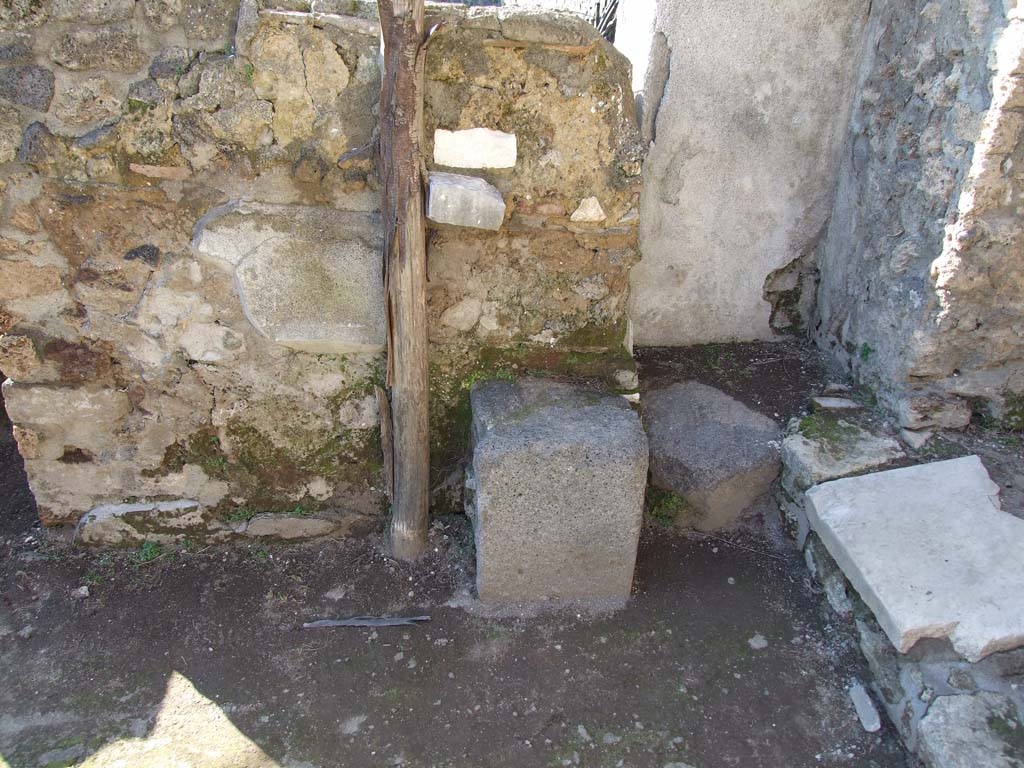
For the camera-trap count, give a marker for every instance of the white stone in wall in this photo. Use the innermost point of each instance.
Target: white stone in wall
(464, 201)
(158, 521)
(475, 148)
(589, 211)
(308, 278)
(930, 551)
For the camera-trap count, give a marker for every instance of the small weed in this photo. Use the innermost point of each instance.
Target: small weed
(866, 397)
(261, 555)
(663, 507)
(866, 350)
(497, 633)
(92, 578)
(149, 552)
(241, 515)
(135, 106)
(299, 511)
(478, 376)
(250, 71)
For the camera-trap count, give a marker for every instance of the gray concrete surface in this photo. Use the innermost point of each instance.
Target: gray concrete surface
(741, 175)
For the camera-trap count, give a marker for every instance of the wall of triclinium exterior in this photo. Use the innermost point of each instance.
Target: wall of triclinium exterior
(190, 268)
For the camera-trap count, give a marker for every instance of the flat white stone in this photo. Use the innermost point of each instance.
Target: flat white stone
(464, 201)
(475, 148)
(589, 211)
(930, 551)
(834, 404)
(865, 708)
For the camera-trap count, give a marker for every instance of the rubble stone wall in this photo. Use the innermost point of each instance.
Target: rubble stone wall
(922, 267)
(190, 268)
(548, 290)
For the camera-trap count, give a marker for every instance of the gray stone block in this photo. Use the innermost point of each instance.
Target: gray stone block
(114, 47)
(308, 278)
(464, 201)
(556, 491)
(28, 85)
(980, 731)
(711, 449)
(830, 449)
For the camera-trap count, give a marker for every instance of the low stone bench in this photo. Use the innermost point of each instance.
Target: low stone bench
(556, 487)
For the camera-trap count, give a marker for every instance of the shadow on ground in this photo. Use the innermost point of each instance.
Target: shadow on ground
(726, 656)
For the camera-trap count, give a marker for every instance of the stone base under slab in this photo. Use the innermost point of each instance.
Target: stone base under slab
(952, 712)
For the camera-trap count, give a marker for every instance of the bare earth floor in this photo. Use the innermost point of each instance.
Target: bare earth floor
(726, 656)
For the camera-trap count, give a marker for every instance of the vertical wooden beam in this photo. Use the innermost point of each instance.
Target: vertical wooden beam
(402, 28)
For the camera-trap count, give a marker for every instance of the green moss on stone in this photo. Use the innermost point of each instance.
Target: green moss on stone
(605, 337)
(1013, 411)
(201, 448)
(828, 430)
(1010, 732)
(268, 476)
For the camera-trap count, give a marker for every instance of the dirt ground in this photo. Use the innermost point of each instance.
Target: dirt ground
(727, 655)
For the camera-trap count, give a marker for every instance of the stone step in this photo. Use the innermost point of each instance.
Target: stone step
(930, 551)
(711, 449)
(556, 488)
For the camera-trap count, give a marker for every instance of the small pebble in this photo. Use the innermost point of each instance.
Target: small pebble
(865, 707)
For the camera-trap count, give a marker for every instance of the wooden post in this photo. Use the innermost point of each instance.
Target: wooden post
(405, 264)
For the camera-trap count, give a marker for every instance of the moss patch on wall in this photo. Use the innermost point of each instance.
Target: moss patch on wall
(269, 477)
(454, 371)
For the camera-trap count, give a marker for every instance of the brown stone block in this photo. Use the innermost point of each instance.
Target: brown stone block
(22, 280)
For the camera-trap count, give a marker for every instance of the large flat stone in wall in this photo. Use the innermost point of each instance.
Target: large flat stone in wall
(557, 486)
(308, 278)
(711, 449)
(464, 201)
(162, 521)
(930, 551)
